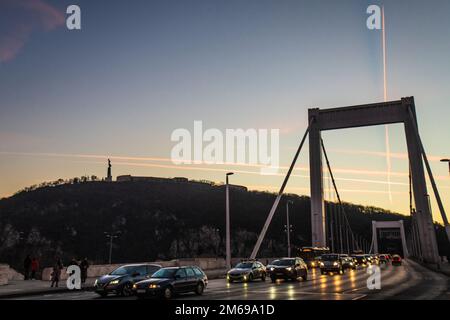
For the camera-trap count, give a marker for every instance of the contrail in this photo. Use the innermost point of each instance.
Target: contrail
(386, 127)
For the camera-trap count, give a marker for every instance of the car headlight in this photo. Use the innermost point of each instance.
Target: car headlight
(114, 282)
(271, 269)
(313, 264)
(135, 286)
(322, 264)
(245, 277)
(289, 269)
(153, 286)
(335, 264)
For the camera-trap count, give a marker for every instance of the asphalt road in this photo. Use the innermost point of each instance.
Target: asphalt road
(409, 281)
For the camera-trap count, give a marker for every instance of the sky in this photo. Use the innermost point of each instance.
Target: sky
(138, 70)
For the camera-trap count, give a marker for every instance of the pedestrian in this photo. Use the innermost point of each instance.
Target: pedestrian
(34, 267)
(26, 267)
(56, 273)
(84, 265)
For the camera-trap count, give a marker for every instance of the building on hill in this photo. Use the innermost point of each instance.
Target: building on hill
(130, 178)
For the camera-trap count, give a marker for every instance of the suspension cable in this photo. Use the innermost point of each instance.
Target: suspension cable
(280, 193)
(336, 190)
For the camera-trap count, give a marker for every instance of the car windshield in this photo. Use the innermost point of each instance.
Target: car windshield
(164, 273)
(330, 257)
(284, 262)
(121, 271)
(244, 265)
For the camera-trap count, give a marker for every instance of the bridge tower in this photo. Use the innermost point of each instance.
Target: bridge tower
(401, 111)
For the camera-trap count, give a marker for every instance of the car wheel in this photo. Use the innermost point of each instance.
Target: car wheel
(273, 279)
(305, 276)
(199, 289)
(102, 294)
(168, 293)
(250, 277)
(263, 277)
(127, 290)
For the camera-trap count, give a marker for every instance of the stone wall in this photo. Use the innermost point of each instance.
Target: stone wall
(213, 266)
(7, 274)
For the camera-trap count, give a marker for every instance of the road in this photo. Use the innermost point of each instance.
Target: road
(409, 281)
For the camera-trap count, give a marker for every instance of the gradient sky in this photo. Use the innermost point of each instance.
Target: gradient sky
(140, 69)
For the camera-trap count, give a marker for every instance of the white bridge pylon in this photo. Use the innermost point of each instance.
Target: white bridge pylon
(400, 111)
(388, 225)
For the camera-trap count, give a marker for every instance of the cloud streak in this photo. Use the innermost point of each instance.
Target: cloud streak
(25, 17)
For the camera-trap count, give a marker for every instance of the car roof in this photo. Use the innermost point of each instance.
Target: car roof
(181, 267)
(140, 265)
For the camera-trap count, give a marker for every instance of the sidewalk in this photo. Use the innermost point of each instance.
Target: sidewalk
(444, 268)
(19, 288)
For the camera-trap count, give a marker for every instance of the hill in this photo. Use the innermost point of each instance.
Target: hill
(161, 219)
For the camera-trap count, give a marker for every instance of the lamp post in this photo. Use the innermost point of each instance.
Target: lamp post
(288, 228)
(227, 222)
(447, 160)
(111, 236)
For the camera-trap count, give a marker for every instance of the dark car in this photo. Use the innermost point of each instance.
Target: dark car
(369, 258)
(347, 262)
(396, 260)
(361, 260)
(121, 280)
(247, 271)
(383, 259)
(331, 263)
(287, 268)
(173, 280)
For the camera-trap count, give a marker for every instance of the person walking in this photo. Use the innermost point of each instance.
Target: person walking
(84, 265)
(56, 274)
(34, 267)
(27, 267)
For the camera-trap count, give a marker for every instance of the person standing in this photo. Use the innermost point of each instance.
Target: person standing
(84, 265)
(27, 267)
(34, 267)
(56, 274)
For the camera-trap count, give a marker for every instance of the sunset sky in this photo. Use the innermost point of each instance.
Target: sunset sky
(140, 69)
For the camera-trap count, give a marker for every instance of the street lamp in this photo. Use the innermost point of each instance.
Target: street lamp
(111, 236)
(227, 218)
(447, 160)
(288, 228)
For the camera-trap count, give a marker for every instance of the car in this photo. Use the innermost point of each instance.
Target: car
(383, 259)
(375, 259)
(247, 271)
(347, 262)
(121, 280)
(360, 260)
(287, 268)
(167, 282)
(316, 262)
(331, 263)
(396, 260)
(369, 259)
